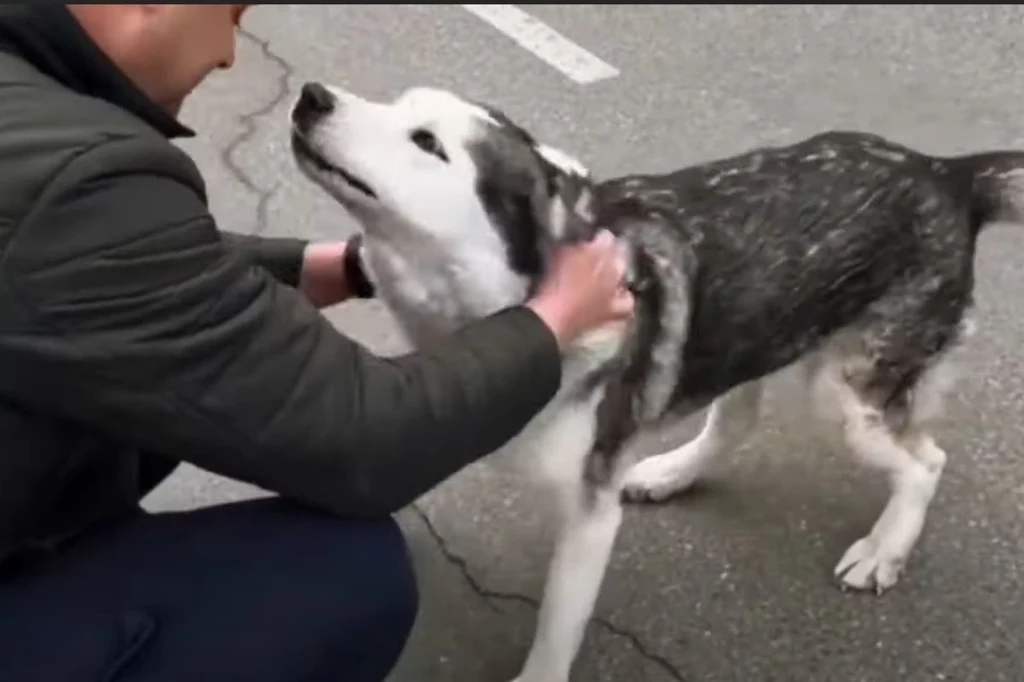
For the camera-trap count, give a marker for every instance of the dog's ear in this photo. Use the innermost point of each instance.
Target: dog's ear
(573, 206)
(570, 196)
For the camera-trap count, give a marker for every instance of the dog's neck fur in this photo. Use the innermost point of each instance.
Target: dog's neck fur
(438, 283)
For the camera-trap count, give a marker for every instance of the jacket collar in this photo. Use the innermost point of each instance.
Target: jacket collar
(51, 39)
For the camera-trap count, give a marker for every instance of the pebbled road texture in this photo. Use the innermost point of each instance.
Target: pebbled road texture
(733, 582)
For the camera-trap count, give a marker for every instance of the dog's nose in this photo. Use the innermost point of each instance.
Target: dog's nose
(315, 101)
(317, 98)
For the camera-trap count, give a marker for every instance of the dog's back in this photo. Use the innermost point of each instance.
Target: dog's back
(784, 247)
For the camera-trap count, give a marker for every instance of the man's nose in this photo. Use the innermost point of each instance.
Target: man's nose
(314, 101)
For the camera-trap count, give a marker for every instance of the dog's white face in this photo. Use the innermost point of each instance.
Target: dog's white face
(430, 168)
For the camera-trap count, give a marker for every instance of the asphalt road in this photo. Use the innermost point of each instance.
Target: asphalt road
(733, 584)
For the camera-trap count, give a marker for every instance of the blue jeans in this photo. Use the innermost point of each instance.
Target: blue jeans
(261, 591)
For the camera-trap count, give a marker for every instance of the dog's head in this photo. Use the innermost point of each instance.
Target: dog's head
(431, 167)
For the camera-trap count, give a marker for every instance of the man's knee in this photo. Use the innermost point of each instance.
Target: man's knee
(398, 614)
(348, 595)
(364, 564)
(304, 595)
(375, 624)
(399, 596)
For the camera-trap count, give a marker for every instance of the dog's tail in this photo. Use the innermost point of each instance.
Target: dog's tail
(996, 182)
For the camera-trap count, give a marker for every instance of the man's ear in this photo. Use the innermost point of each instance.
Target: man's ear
(570, 193)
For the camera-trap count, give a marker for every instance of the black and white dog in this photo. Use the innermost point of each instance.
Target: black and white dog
(845, 252)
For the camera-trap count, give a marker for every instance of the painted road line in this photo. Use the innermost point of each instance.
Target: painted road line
(534, 35)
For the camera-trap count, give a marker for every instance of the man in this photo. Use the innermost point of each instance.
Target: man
(134, 335)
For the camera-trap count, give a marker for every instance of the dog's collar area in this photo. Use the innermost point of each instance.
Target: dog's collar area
(604, 344)
(306, 151)
(355, 273)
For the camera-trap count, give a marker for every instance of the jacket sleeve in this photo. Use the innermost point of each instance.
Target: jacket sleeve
(131, 317)
(280, 256)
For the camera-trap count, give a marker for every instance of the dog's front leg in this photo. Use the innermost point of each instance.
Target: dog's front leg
(582, 551)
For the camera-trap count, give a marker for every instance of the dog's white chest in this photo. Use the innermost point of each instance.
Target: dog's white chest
(554, 445)
(432, 297)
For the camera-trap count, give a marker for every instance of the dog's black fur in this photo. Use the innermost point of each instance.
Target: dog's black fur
(781, 248)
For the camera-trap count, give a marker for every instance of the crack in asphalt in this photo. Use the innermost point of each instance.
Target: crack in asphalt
(489, 596)
(250, 124)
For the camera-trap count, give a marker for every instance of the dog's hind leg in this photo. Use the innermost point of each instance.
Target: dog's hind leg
(577, 569)
(890, 436)
(730, 420)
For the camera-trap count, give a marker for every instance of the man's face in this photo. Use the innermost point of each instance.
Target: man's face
(180, 45)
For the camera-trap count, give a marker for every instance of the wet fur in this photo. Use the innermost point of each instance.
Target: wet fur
(845, 253)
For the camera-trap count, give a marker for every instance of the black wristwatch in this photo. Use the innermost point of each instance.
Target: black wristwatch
(355, 274)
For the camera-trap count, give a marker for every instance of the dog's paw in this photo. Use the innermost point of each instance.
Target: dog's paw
(659, 477)
(865, 566)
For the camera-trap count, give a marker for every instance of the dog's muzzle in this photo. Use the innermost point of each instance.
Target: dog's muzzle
(315, 101)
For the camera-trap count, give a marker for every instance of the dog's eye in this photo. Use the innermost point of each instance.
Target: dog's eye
(428, 142)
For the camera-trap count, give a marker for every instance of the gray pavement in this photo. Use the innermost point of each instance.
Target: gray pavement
(732, 584)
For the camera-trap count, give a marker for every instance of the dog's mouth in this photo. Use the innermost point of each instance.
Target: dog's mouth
(305, 150)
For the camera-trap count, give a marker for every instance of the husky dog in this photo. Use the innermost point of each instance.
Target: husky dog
(845, 252)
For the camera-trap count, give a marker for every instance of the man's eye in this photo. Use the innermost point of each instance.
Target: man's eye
(428, 142)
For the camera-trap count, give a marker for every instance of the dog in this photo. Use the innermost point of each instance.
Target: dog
(845, 254)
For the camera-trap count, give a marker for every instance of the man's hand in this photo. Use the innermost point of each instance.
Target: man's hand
(584, 289)
(324, 280)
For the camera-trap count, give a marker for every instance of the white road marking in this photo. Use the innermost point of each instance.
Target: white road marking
(534, 35)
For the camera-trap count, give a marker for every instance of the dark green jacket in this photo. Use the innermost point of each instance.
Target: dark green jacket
(135, 335)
